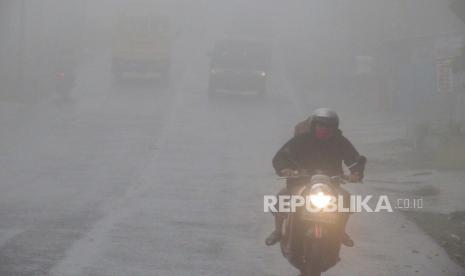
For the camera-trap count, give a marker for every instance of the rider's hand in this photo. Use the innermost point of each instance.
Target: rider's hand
(287, 172)
(354, 177)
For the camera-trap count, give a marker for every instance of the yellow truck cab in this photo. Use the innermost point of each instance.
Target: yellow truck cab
(142, 44)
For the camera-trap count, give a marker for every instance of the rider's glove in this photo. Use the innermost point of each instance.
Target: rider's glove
(355, 177)
(287, 172)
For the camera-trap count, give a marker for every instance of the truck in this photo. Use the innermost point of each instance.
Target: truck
(142, 43)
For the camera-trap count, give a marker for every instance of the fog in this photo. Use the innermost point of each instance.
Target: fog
(138, 135)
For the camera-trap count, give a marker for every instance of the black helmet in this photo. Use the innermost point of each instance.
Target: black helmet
(324, 116)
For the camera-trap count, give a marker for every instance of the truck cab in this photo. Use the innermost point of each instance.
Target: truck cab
(142, 44)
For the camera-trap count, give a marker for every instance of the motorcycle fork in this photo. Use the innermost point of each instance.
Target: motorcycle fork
(317, 231)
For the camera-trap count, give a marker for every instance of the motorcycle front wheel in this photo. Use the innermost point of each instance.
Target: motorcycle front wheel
(313, 258)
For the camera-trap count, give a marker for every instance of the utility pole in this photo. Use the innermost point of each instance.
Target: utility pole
(21, 48)
(458, 8)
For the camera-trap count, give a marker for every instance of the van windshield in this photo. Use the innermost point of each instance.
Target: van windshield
(240, 55)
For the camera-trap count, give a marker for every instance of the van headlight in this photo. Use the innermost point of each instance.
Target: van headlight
(320, 195)
(215, 71)
(260, 73)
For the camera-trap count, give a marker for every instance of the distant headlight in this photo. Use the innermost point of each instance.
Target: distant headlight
(260, 73)
(320, 195)
(216, 71)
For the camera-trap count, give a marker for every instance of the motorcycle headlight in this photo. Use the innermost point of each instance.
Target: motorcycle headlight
(320, 195)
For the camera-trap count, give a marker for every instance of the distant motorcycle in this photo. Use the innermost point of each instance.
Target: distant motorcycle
(64, 84)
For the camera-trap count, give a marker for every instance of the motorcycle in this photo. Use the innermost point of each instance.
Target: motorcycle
(64, 83)
(311, 241)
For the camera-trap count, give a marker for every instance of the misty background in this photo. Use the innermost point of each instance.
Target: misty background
(389, 51)
(89, 172)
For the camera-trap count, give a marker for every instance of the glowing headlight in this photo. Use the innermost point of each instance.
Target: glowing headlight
(320, 196)
(216, 71)
(263, 74)
(320, 200)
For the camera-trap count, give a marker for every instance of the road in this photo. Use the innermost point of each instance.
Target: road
(136, 179)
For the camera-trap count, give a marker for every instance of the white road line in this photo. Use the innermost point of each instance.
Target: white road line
(86, 250)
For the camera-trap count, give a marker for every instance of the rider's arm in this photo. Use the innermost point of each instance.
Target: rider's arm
(351, 159)
(285, 158)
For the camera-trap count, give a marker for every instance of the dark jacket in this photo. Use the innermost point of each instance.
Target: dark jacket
(304, 151)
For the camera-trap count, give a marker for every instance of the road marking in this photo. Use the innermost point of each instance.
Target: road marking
(8, 234)
(84, 251)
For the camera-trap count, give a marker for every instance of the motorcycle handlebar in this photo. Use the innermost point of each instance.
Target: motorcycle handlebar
(341, 179)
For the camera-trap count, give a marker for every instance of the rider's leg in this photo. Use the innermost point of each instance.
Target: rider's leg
(345, 238)
(275, 236)
(278, 222)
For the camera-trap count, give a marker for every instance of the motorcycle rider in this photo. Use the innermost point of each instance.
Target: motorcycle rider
(65, 72)
(318, 144)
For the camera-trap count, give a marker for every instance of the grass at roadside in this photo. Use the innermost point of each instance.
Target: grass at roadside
(447, 230)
